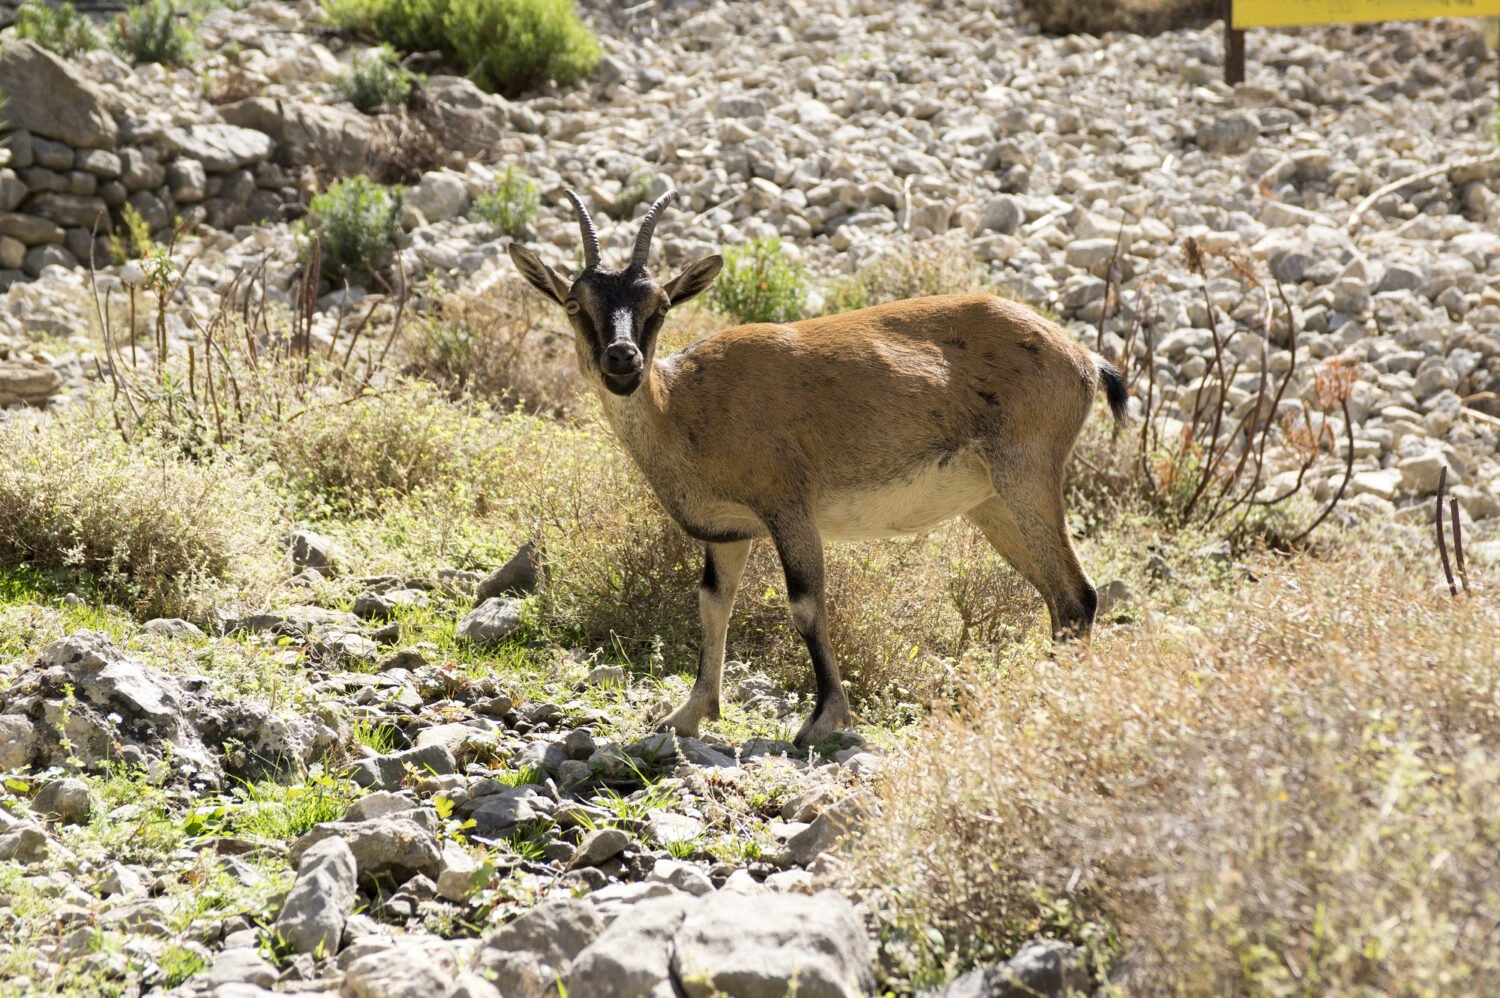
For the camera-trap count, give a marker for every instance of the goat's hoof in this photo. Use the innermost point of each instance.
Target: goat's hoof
(681, 721)
(822, 724)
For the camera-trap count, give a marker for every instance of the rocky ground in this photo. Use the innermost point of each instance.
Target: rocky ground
(1075, 169)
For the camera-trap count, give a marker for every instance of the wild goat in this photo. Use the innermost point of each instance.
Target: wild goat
(875, 423)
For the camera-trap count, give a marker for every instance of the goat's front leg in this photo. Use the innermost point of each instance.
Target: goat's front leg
(801, 550)
(723, 564)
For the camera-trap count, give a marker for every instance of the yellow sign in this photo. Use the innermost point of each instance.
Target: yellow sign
(1284, 13)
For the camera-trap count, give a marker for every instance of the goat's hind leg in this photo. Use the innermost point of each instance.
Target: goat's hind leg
(723, 565)
(800, 548)
(1028, 528)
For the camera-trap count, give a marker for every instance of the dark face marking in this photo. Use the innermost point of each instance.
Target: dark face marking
(617, 314)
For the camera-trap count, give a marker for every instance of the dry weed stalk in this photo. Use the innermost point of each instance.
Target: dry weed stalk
(246, 363)
(1215, 470)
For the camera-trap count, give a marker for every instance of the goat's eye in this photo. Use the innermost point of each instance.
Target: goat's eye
(570, 306)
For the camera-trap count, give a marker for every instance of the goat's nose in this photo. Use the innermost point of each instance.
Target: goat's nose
(622, 358)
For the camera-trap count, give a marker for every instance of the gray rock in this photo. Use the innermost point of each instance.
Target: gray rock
(606, 675)
(66, 801)
(47, 96)
(16, 738)
(439, 196)
(754, 946)
(383, 606)
(633, 957)
(1044, 968)
(378, 805)
(12, 190)
(140, 170)
(519, 576)
(740, 106)
(298, 621)
(474, 121)
(1001, 213)
(598, 846)
(1114, 596)
(308, 134)
(99, 162)
(30, 229)
(24, 843)
(388, 851)
(1420, 472)
(241, 966)
(124, 881)
(390, 771)
(39, 258)
(52, 155)
(683, 876)
(470, 985)
(174, 628)
(27, 381)
(532, 952)
(12, 253)
(1091, 254)
(825, 833)
(187, 181)
(220, 148)
(413, 967)
(490, 622)
(70, 209)
(116, 701)
(19, 145)
(456, 879)
(1233, 133)
(321, 899)
(1402, 277)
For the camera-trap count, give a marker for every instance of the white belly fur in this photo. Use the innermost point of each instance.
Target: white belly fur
(933, 495)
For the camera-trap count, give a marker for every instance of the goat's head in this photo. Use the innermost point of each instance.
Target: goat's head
(616, 314)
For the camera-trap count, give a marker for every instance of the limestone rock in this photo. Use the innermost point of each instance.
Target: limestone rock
(321, 899)
(28, 381)
(46, 95)
(490, 622)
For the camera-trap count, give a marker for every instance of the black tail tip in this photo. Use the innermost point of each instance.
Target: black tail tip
(1114, 388)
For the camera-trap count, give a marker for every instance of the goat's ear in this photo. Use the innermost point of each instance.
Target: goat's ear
(540, 276)
(698, 278)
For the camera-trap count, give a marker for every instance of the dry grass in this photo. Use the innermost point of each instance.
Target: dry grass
(933, 267)
(1095, 17)
(502, 343)
(140, 523)
(1293, 790)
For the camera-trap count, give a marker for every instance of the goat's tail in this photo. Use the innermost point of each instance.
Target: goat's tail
(1114, 387)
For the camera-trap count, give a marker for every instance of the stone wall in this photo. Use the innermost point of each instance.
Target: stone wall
(68, 169)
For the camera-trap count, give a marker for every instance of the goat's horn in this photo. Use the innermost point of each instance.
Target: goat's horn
(648, 226)
(586, 226)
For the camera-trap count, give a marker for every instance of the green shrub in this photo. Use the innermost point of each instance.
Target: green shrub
(136, 522)
(376, 82)
(353, 456)
(513, 203)
(355, 222)
(507, 46)
(760, 284)
(61, 29)
(935, 267)
(150, 31)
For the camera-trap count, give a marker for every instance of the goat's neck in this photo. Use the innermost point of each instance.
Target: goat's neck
(641, 421)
